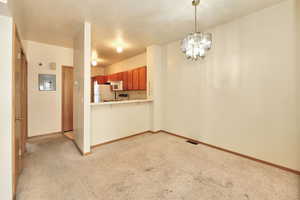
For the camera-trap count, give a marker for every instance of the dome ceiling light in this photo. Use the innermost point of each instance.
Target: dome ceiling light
(196, 44)
(119, 49)
(94, 63)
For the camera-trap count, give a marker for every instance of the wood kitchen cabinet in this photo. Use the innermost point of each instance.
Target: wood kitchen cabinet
(112, 77)
(103, 79)
(142, 78)
(100, 79)
(119, 76)
(135, 79)
(130, 80)
(125, 80)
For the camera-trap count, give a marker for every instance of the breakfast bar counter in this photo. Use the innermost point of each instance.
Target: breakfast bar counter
(118, 119)
(122, 102)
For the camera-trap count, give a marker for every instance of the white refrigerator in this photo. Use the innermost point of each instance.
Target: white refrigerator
(102, 93)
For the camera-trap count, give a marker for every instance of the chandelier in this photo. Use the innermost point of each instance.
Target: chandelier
(196, 44)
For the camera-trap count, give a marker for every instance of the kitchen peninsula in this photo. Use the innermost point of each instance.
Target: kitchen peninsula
(119, 119)
(125, 109)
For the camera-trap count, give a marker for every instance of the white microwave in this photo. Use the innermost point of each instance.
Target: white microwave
(116, 85)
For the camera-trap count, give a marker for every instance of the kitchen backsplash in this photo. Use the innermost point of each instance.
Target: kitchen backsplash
(132, 95)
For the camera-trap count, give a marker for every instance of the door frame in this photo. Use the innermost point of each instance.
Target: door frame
(24, 65)
(62, 97)
(16, 171)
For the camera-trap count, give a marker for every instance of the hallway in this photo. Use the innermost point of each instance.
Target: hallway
(150, 166)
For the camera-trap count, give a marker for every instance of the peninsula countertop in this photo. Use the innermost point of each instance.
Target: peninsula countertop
(122, 102)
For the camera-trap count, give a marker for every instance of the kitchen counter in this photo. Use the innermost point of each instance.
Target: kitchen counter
(121, 102)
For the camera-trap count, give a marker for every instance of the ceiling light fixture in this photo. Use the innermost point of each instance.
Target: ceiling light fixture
(196, 44)
(94, 63)
(119, 49)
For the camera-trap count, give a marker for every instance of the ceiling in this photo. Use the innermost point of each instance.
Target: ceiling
(133, 24)
(4, 9)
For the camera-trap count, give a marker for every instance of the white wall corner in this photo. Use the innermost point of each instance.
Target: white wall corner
(154, 77)
(87, 86)
(82, 73)
(6, 112)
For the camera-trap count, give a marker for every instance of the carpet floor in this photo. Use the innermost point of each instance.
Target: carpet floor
(148, 167)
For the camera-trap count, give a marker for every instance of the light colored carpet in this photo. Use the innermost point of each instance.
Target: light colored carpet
(148, 167)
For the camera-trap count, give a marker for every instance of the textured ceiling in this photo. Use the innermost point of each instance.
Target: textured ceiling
(4, 9)
(134, 24)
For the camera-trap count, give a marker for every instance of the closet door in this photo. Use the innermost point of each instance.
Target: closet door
(67, 99)
(20, 108)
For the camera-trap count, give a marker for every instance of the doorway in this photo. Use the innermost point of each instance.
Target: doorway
(67, 101)
(20, 108)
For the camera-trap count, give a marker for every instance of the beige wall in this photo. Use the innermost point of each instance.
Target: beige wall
(155, 83)
(15, 8)
(110, 122)
(82, 84)
(97, 71)
(128, 64)
(297, 52)
(44, 107)
(6, 112)
(242, 97)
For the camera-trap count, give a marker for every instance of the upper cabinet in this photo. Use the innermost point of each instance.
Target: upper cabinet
(130, 79)
(135, 79)
(100, 79)
(125, 80)
(142, 78)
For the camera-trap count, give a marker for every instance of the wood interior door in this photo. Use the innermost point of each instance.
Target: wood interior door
(24, 103)
(67, 98)
(20, 109)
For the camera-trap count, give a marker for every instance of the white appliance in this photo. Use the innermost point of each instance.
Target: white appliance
(103, 93)
(116, 85)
